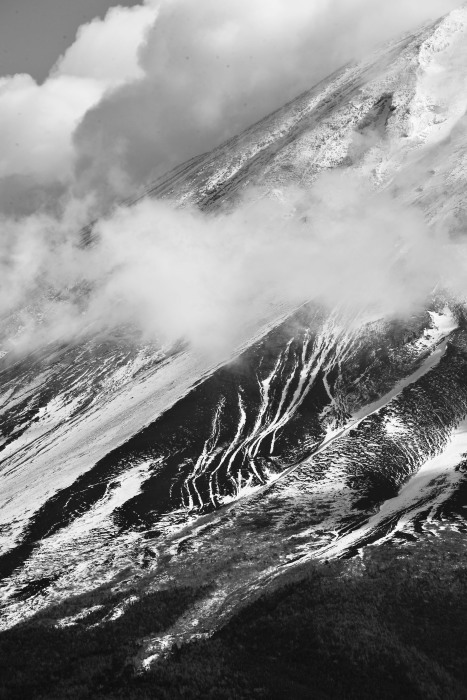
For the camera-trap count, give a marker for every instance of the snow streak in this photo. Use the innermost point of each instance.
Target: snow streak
(226, 468)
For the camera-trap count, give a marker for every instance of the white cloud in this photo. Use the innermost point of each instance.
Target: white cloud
(106, 50)
(204, 71)
(213, 68)
(37, 121)
(144, 95)
(187, 274)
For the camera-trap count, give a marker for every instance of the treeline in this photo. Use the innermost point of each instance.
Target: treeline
(390, 625)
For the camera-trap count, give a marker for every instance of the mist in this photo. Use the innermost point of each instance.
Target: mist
(149, 86)
(141, 91)
(187, 275)
(212, 69)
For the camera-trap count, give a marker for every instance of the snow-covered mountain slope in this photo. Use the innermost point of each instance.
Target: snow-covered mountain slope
(326, 430)
(403, 105)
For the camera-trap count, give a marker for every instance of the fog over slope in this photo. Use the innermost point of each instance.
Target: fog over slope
(184, 78)
(151, 85)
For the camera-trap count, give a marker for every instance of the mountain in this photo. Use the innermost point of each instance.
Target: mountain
(135, 476)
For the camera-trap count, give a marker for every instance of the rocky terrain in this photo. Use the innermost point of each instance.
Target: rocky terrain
(129, 470)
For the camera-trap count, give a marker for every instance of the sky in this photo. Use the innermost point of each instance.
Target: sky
(33, 33)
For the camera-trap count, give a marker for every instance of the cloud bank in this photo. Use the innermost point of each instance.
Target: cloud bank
(37, 121)
(185, 274)
(148, 87)
(202, 277)
(211, 69)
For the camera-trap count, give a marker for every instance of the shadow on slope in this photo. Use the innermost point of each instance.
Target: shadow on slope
(389, 625)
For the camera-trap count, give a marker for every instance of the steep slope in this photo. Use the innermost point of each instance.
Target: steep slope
(139, 469)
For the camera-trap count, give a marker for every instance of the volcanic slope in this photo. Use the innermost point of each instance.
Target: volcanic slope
(134, 469)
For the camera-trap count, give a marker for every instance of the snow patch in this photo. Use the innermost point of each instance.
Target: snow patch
(118, 492)
(431, 485)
